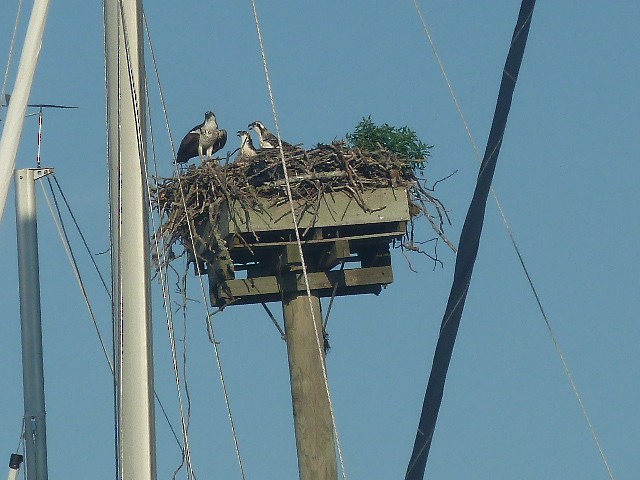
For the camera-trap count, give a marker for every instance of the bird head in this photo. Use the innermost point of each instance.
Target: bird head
(257, 126)
(245, 138)
(210, 119)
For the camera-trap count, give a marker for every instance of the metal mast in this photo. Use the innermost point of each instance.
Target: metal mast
(31, 325)
(129, 240)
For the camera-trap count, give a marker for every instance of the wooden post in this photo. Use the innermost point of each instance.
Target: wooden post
(311, 410)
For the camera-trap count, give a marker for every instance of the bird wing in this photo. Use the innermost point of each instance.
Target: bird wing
(273, 140)
(189, 146)
(220, 141)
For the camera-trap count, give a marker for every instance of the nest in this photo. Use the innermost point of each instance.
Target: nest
(187, 199)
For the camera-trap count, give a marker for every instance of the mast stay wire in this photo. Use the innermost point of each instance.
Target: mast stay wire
(110, 186)
(516, 247)
(59, 223)
(10, 57)
(317, 323)
(62, 231)
(84, 240)
(209, 314)
(166, 301)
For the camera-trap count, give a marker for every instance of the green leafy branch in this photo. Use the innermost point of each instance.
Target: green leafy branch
(403, 141)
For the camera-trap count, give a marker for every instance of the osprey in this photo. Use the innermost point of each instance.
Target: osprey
(203, 139)
(268, 139)
(247, 150)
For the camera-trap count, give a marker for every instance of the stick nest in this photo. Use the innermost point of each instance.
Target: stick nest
(185, 200)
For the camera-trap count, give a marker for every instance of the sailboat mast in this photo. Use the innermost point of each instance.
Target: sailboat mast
(129, 240)
(31, 322)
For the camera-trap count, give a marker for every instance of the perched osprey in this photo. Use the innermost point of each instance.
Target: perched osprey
(268, 139)
(203, 139)
(247, 150)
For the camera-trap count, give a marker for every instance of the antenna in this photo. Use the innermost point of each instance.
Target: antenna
(40, 107)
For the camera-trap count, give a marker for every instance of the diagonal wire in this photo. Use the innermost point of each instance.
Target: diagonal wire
(74, 265)
(84, 241)
(507, 225)
(273, 319)
(333, 296)
(161, 253)
(468, 246)
(166, 301)
(59, 222)
(144, 166)
(298, 240)
(209, 314)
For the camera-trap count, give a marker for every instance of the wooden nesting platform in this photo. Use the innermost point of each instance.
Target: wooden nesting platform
(252, 256)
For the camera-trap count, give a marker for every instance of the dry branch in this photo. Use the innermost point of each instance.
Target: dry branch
(312, 174)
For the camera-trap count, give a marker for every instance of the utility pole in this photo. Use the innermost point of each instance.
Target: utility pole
(340, 231)
(311, 407)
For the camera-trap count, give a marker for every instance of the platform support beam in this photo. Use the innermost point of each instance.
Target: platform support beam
(311, 408)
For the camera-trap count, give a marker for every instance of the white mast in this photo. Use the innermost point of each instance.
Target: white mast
(20, 96)
(130, 240)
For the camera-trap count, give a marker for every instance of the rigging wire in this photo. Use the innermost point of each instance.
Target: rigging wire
(59, 223)
(11, 45)
(315, 321)
(184, 346)
(507, 225)
(21, 437)
(111, 186)
(139, 144)
(209, 314)
(145, 170)
(166, 300)
(84, 240)
(62, 231)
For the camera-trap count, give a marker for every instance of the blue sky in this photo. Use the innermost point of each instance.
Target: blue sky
(567, 177)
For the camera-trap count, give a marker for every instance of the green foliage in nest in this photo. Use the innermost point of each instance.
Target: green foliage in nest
(402, 141)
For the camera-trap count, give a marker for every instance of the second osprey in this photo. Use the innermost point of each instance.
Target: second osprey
(268, 139)
(203, 139)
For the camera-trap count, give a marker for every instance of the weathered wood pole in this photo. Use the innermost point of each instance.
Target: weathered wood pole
(311, 409)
